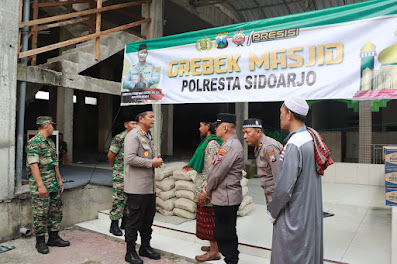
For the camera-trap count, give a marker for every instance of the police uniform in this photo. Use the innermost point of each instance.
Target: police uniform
(267, 156)
(47, 211)
(224, 188)
(149, 73)
(139, 185)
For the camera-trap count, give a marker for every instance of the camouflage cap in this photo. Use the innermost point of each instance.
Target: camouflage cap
(41, 120)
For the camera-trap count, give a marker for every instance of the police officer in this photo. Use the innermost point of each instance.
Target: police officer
(142, 74)
(223, 186)
(116, 160)
(46, 186)
(139, 185)
(267, 153)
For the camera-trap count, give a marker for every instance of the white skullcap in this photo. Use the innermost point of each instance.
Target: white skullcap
(297, 104)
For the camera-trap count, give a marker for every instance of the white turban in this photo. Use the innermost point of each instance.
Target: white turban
(297, 104)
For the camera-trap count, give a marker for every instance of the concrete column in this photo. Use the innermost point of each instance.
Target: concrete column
(64, 118)
(167, 146)
(365, 132)
(242, 114)
(52, 102)
(105, 107)
(9, 14)
(155, 31)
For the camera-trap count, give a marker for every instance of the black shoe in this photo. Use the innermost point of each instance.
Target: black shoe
(114, 228)
(131, 256)
(41, 246)
(147, 251)
(123, 221)
(56, 241)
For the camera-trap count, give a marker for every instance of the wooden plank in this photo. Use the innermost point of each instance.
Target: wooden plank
(20, 21)
(98, 29)
(81, 39)
(81, 13)
(129, 14)
(69, 3)
(61, 24)
(34, 30)
(91, 22)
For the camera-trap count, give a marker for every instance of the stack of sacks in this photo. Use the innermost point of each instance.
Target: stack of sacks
(185, 205)
(165, 187)
(247, 205)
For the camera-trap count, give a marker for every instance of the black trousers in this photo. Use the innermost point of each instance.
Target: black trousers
(225, 232)
(142, 210)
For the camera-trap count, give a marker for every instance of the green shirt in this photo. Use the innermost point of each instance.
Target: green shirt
(42, 151)
(117, 147)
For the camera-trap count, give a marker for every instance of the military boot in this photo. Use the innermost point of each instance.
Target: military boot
(114, 228)
(147, 251)
(56, 241)
(131, 256)
(41, 245)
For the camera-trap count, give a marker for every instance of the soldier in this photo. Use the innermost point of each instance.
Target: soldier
(46, 186)
(224, 188)
(139, 163)
(267, 153)
(116, 160)
(142, 74)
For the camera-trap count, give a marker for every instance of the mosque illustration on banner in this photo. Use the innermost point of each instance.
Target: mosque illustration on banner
(381, 83)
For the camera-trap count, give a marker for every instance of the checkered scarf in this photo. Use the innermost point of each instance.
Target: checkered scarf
(323, 155)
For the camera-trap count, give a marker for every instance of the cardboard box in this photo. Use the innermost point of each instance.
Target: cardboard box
(391, 177)
(391, 196)
(390, 156)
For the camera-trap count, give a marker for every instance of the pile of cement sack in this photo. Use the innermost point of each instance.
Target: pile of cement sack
(175, 192)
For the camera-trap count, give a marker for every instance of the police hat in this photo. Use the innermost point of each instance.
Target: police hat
(252, 122)
(225, 118)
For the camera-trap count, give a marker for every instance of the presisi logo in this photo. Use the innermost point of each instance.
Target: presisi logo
(268, 35)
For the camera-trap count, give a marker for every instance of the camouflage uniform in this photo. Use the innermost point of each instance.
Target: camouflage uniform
(47, 211)
(149, 73)
(119, 207)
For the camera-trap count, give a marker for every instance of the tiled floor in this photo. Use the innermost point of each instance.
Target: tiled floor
(360, 231)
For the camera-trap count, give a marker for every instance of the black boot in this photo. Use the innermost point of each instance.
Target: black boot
(131, 256)
(41, 245)
(123, 221)
(147, 251)
(56, 241)
(114, 228)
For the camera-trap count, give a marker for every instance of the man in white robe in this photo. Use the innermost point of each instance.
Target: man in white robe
(296, 208)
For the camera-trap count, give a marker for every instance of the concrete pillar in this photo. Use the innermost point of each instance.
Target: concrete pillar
(64, 117)
(52, 102)
(241, 112)
(9, 14)
(365, 132)
(167, 146)
(155, 31)
(105, 107)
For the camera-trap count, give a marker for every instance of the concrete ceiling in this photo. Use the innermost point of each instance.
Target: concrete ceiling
(249, 10)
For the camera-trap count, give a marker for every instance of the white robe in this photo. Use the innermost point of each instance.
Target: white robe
(297, 204)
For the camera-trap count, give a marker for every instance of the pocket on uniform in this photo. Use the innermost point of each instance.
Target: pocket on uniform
(134, 202)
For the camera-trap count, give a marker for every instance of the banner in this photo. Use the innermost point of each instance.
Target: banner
(347, 52)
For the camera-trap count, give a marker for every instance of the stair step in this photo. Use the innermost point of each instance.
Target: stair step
(181, 244)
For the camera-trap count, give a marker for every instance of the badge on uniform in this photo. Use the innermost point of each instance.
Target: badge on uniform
(143, 139)
(273, 158)
(146, 153)
(221, 154)
(143, 132)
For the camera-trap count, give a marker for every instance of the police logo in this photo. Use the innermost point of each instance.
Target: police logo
(221, 40)
(239, 38)
(146, 153)
(203, 44)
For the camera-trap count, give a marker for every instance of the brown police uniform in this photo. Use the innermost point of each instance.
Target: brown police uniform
(139, 185)
(267, 158)
(223, 185)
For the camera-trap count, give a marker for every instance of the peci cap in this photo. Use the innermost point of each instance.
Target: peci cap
(297, 105)
(252, 122)
(41, 120)
(142, 47)
(129, 117)
(225, 118)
